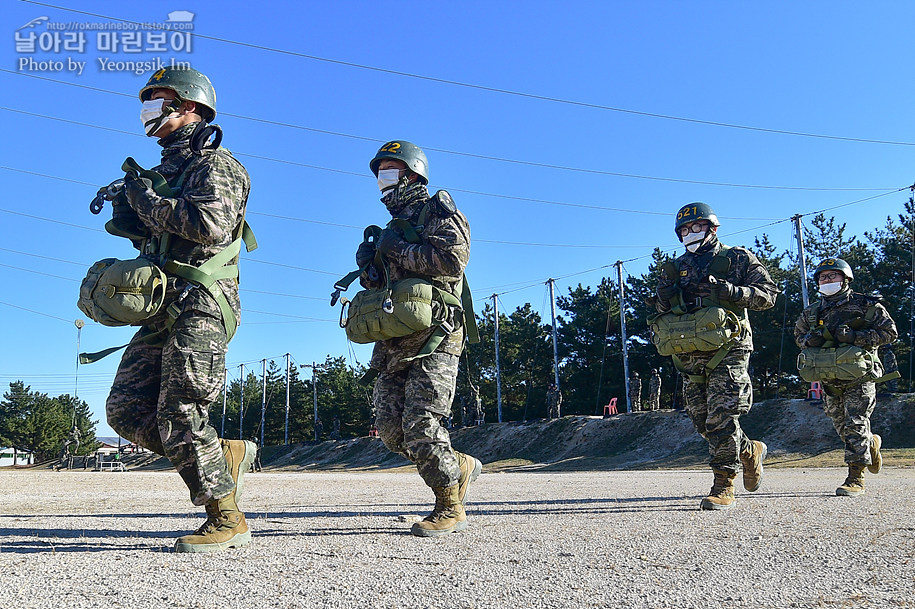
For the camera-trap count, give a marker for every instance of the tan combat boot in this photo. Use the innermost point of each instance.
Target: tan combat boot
(447, 517)
(721, 496)
(470, 471)
(854, 484)
(239, 456)
(876, 457)
(224, 528)
(752, 462)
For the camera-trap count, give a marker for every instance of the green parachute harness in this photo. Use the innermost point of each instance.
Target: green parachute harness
(110, 278)
(712, 326)
(835, 361)
(403, 307)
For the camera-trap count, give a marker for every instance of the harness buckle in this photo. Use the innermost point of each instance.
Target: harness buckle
(335, 295)
(388, 305)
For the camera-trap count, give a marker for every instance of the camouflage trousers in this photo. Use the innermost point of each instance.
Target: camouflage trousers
(654, 400)
(410, 404)
(850, 411)
(635, 398)
(715, 406)
(160, 399)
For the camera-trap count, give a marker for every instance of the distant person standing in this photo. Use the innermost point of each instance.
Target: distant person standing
(335, 429)
(553, 402)
(654, 390)
(855, 325)
(635, 391)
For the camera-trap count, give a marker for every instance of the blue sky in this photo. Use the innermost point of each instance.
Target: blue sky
(829, 68)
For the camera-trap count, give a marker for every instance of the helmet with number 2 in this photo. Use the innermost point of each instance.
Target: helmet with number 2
(409, 153)
(692, 212)
(834, 264)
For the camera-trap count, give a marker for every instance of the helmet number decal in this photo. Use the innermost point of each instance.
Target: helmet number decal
(686, 213)
(391, 147)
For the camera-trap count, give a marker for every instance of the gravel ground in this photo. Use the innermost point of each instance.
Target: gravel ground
(597, 539)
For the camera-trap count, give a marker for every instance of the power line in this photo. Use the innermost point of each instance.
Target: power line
(352, 226)
(69, 321)
(442, 150)
(489, 89)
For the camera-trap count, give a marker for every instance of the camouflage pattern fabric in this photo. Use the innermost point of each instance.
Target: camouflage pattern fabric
(715, 406)
(850, 408)
(888, 358)
(161, 393)
(849, 404)
(654, 392)
(635, 392)
(756, 290)
(411, 403)
(160, 400)
(553, 403)
(440, 258)
(843, 308)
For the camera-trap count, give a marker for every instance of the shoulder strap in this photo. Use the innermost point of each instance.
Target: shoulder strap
(721, 263)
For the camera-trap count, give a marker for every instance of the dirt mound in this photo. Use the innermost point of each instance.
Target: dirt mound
(794, 430)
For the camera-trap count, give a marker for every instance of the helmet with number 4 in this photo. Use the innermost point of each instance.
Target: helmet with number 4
(834, 264)
(400, 150)
(692, 212)
(188, 84)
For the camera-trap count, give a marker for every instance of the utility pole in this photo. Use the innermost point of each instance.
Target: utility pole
(241, 403)
(263, 400)
(550, 283)
(314, 390)
(912, 294)
(495, 309)
(801, 259)
(79, 323)
(286, 433)
(225, 398)
(619, 276)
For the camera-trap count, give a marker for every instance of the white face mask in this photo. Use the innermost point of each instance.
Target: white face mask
(692, 241)
(828, 289)
(152, 116)
(388, 178)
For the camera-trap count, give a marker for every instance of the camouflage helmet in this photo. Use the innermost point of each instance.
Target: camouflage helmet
(409, 153)
(692, 212)
(188, 84)
(834, 264)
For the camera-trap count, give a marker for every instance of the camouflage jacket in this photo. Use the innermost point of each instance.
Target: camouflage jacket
(756, 290)
(202, 219)
(843, 308)
(440, 258)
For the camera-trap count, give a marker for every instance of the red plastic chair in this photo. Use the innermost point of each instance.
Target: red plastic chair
(610, 409)
(815, 392)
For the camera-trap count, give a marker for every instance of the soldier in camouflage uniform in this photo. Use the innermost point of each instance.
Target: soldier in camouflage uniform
(843, 317)
(635, 391)
(553, 402)
(716, 399)
(654, 390)
(412, 396)
(163, 389)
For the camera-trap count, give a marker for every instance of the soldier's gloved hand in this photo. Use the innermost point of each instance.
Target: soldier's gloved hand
(665, 293)
(390, 243)
(815, 340)
(365, 253)
(727, 291)
(137, 189)
(844, 334)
